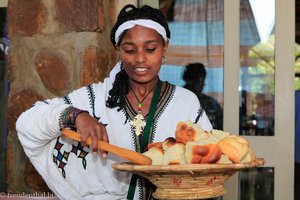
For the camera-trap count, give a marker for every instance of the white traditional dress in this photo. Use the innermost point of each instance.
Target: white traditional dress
(74, 172)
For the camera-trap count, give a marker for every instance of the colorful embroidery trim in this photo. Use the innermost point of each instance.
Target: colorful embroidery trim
(60, 157)
(68, 117)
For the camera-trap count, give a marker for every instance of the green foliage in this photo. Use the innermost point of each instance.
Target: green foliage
(265, 66)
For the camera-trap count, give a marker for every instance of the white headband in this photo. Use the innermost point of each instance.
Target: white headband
(141, 22)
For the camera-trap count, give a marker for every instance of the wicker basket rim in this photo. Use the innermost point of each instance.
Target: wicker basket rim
(187, 167)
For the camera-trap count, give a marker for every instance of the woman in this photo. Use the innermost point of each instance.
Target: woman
(109, 111)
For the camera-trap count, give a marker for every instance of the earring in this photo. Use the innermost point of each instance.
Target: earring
(164, 60)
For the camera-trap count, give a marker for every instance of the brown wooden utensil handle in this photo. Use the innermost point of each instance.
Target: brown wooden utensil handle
(127, 154)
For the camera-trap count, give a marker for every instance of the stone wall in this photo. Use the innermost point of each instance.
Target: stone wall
(55, 47)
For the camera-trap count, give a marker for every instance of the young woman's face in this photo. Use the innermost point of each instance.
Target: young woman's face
(141, 51)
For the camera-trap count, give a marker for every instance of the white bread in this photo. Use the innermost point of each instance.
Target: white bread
(202, 154)
(193, 145)
(168, 142)
(250, 157)
(224, 160)
(189, 132)
(156, 155)
(210, 139)
(234, 147)
(219, 135)
(174, 154)
(155, 144)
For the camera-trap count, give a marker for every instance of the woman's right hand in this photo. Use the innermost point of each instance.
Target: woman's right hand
(87, 126)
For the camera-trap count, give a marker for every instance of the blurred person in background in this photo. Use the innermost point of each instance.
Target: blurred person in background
(194, 75)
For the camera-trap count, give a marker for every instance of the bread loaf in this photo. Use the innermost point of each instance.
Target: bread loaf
(202, 154)
(155, 144)
(234, 147)
(189, 132)
(175, 154)
(156, 155)
(219, 135)
(193, 145)
(224, 160)
(170, 141)
(250, 157)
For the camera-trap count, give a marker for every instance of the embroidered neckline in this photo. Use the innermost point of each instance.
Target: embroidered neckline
(165, 97)
(161, 101)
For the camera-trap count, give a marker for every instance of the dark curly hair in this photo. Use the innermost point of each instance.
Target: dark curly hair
(130, 12)
(194, 71)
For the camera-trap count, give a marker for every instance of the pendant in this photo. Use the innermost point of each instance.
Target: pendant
(138, 124)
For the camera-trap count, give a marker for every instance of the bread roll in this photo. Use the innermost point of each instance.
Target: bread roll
(174, 154)
(189, 132)
(219, 135)
(234, 147)
(155, 144)
(193, 145)
(156, 155)
(202, 154)
(211, 139)
(250, 157)
(168, 142)
(224, 160)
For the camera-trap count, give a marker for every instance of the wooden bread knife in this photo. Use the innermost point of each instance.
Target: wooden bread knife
(134, 157)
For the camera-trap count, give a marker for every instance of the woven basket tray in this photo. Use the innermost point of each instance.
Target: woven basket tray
(190, 181)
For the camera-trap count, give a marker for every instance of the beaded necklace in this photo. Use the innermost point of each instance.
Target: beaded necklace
(138, 121)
